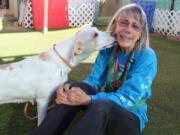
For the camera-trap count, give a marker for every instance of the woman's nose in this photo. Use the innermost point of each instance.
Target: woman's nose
(128, 29)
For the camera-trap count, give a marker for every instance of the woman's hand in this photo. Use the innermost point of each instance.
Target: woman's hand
(61, 95)
(73, 96)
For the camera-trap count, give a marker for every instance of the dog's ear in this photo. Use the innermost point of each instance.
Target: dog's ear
(78, 49)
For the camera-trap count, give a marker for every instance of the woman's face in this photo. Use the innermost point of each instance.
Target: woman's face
(128, 31)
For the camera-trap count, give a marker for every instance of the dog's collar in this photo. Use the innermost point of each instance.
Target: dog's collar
(63, 59)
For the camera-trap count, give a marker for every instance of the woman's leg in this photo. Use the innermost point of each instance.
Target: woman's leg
(94, 121)
(58, 118)
(106, 116)
(122, 121)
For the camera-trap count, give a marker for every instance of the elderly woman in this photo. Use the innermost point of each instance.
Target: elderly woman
(113, 96)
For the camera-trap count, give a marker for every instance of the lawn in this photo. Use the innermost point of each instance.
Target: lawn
(164, 107)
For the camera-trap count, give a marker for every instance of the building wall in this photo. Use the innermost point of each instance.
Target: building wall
(109, 7)
(12, 11)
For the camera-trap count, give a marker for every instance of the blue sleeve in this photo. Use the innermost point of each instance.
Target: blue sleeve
(137, 87)
(98, 73)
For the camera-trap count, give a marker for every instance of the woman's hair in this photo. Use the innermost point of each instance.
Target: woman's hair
(137, 11)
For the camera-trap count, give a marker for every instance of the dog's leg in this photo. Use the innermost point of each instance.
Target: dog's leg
(42, 105)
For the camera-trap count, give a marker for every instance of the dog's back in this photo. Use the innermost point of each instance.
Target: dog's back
(36, 78)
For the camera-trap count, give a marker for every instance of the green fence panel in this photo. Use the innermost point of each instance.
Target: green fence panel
(163, 4)
(177, 5)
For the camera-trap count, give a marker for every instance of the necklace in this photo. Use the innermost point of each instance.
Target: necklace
(125, 70)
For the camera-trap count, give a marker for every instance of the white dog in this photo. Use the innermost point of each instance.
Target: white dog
(36, 78)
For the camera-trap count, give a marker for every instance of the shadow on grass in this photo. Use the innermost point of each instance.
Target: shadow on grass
(13, 121)
(11, 59)
(11, 26)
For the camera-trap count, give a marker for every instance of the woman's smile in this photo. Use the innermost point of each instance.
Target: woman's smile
(128, 32)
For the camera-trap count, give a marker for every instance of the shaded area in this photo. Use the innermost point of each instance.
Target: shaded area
(4, 4)
(10, 59)
(10, 25)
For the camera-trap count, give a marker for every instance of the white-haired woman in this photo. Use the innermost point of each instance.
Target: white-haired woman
(125, 71)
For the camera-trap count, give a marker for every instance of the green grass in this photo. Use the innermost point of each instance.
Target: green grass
(164, 105)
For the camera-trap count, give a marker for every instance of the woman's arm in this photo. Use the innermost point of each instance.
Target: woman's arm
(137, 88)
(97, 76)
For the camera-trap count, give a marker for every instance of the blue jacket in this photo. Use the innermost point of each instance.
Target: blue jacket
(134, 92)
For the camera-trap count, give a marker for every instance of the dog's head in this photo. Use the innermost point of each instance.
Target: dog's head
(90, 39)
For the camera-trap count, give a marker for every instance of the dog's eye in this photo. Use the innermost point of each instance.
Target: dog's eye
(95, 35)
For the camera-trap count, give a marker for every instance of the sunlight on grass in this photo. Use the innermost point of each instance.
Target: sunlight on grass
(30, 43)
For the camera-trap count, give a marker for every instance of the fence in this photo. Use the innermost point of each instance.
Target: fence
(167, 22)
(79, 13)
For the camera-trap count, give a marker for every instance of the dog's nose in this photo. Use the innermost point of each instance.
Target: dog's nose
(95, 35)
